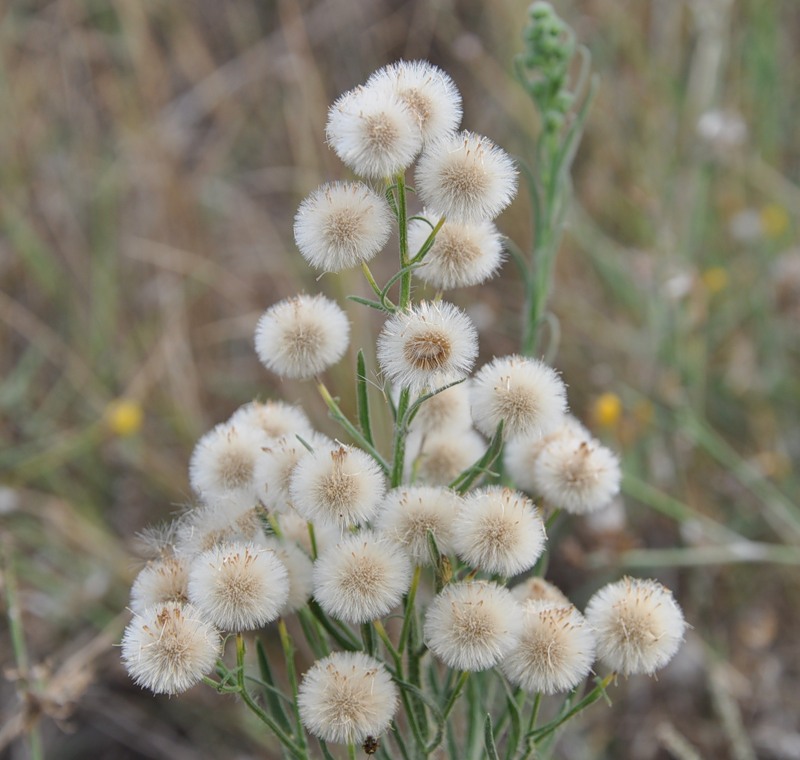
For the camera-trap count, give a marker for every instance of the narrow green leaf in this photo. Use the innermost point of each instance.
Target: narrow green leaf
(273, 701)
(362, 398)
(488, 739)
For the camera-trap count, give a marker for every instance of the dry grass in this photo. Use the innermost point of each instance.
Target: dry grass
(153, 155)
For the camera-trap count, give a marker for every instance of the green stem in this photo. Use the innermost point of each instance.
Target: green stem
(400, 431)
(338, 415)
(402, 224)
(409, 609)
(448, 708)
(291, 672)
(283, 737)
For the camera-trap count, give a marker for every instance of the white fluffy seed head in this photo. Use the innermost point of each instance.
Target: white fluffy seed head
(238, 587)
(447, 410)
(472, 626)
(428, 345)
(408, 513)
(341, 225)
(438, 458)
(362, 578)
(223, 460)
(536, 589)
(373, 132)
(159, 581)
(168, 648)
(466, 178)
(299, 570)
(638, 624)
(461, 255)
(219, 522)
(499, 531)
(338, 485)
(429, 93)
(302, 336)
(555, 650)
(346, 697)
(576, 474)
(275, 419)
(275, 465)
(521, 452)
(527, 394)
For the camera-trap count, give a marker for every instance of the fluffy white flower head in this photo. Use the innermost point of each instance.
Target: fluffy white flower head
(536, 589)
(466, 178)
(461, 255)
(218, 522)
(438, 458)
(527, 394)
(521, 452)
(342, 224)
(555, 650)
(340, 485)
(362, 578)
(274, 418)
(238, 587)
(298, 568)
(577, 474)
(638, 624)
(447, 410)
(472, 626)
(429, 93)
(302, 336)
(499, 531)
(168, 648)
(159, 581)
(408, 513)
(373, 132)
(346, 697)
(427, 346)
(223, 460)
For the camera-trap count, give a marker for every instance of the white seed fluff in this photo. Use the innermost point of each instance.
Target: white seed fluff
(362, 578)
(438, 458)
(168, 648)
(447, 410)
(346, 697)
(638, 624)
(302, 336)
(408, 513)
(536, 589)
(461, 255)
(472, 626)
(521, 452)
(223, 460)
(428, 345)
(429, 93)
(219, 522)
(499, 531)
(275, 418)
(466, 178)
(159, 581)
(294, 527)
(275, 465)
(238, 587)
(341, 225)
(341, 486)
(373, 132)
(527, 394)
(555, 650)
(299, 570)
(577, 474)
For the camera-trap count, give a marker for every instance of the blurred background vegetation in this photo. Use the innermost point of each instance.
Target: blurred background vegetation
(152, 156)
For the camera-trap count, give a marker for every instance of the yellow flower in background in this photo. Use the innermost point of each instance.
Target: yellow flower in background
(124, 417)
(774, 220)
(715, 279)
(607, 409)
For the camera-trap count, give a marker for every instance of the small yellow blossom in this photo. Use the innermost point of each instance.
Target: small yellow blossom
(715, 279)
(124, 417)
(774, 220)
(607, 409)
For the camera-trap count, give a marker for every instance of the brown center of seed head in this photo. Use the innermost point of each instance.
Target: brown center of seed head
(381, 131)
(471, 624)
(344, 228)
(465, 179)
(515, 404)
(427, 351)
(303, 339)
(364, 577)
(418, 104)
(455, 250)
(235, 469)
(338, 489)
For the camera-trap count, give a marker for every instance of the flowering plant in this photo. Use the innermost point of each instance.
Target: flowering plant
(399, 561)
